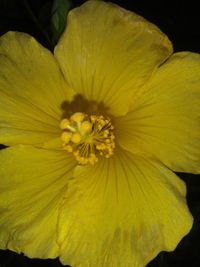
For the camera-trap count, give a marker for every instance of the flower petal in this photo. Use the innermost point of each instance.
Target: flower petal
(165, 121)
(121, 212)
(106, 53)
(32, 185)
(32, 90)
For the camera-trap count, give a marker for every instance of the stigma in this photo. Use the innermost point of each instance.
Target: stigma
(88, 137)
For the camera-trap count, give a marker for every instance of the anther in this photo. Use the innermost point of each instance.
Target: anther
(86, 127)
(64, 124)
(77, 117)
(68, 148)
(76, 138)
(66, 136)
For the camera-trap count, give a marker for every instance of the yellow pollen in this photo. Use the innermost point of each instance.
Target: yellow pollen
(66, 136)
(78, 116)
(76, 138)
(88, 137)
(86, 127)
(64, 124)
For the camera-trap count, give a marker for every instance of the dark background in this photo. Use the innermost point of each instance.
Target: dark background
(180, 20)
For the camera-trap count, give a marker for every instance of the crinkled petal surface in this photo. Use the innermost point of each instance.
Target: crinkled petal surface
(121, 212)
(32, 185)
(32, 90)
(165, 121)
(106, 53)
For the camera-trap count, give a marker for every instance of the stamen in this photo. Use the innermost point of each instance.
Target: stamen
(66, 136)
(78, 116)
(76, 138)
(88, 137)
(64, 124)
(86, 127)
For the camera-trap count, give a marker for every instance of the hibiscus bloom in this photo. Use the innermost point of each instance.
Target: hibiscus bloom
(94, 133)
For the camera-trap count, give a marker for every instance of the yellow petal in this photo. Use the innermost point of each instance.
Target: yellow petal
(164, 121)
(32, 185)
(121, 212)
(32, 90)
(106, 53)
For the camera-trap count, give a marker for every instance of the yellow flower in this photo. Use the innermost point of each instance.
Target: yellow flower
(95, 132)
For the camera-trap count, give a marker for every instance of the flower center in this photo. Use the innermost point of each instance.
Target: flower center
(88, 137)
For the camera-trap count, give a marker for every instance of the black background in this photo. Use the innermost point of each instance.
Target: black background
(180, 20)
